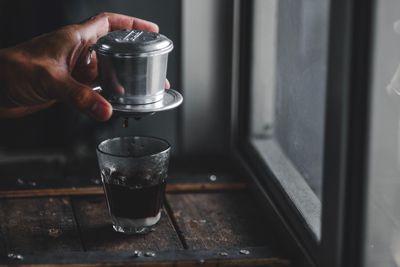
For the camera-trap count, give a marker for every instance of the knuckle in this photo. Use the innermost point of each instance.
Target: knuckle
(104, 18)
(70, 33)
(102, 15)
(73, 33)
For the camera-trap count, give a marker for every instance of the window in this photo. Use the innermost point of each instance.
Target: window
(382, 247)
(288, 91)
(303, 97)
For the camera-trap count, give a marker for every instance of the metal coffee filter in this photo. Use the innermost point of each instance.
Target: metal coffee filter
(132, 68)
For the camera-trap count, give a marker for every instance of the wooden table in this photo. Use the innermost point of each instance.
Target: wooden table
(51, 219)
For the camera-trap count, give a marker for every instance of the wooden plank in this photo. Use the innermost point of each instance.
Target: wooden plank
(97, 232)
(30, 174)
(82, 173)
(200, 187)
(175, 186)
(38, 225)
(259, 256)
(35, 166)
(220, 220)
(33, 176)
(204, 165)
(49, 192)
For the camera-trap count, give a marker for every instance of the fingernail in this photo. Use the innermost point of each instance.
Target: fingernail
(167, 85)
(101, 111)
(156, 27)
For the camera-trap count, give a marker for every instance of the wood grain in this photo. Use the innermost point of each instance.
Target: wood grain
(97, 232)
(51, 192)
(38, 225)
(30, 175)
(259, 256)
(98, 190)
(220, 220)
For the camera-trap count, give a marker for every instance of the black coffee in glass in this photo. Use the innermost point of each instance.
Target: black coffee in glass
(134, 172)
(135, 203)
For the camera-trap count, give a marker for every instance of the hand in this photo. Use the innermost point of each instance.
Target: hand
(52, 67)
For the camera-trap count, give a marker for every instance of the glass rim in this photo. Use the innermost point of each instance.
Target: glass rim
(134, 136)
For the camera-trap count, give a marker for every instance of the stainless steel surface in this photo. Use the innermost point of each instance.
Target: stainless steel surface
(138, 80)
(132, 66)
(171, 100)
(133, 43)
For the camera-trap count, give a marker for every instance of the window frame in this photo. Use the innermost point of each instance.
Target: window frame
(345, 140)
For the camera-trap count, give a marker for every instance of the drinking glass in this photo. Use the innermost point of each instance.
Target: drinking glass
(134, 171)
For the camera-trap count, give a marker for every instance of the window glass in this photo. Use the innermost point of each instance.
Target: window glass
(383, 213)
(288, 88)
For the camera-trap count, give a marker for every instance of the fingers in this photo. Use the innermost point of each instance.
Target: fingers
(84, 98)
(167, 85)
(102, 23)
(119, 22)
(83, 72)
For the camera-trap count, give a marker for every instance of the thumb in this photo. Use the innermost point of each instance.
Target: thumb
(84, 98)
